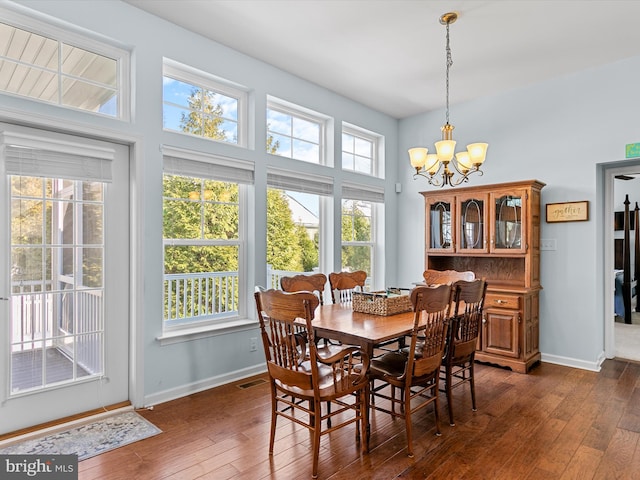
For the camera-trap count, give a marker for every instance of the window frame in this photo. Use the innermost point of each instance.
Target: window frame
(65, 35)
(198, 78)
(374, 196)
(323, 187)
(210, 162)
(323, 121)
(377, 149)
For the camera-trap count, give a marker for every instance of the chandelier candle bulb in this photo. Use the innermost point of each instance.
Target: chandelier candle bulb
(477, 153)
(418, 157)
(433, 164)
(445, 149)
(464, 161)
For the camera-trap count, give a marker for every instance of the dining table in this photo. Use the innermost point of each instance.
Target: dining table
(338, 321)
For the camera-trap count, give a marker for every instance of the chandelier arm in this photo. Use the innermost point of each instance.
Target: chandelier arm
(432, 179)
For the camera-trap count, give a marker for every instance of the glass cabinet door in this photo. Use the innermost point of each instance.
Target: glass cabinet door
(440, 226)
(509, 230)
(472, 223)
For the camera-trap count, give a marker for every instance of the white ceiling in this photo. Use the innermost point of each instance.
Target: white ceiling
(390, 54)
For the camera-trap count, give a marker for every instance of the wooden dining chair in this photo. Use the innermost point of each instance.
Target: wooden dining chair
(457, 365)
(416, 374)
(343, 283)
(438, 277)
(311, 283)
(341, 379)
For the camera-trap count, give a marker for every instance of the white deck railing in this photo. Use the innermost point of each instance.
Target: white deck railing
(200, 296)
(46, 319)
(274, 276)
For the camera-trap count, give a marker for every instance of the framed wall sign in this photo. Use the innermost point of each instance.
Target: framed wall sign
(568, 212)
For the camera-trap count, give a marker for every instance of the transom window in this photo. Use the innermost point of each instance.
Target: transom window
(359, 150)
(44, 67)
(199, 104)
(295, 133)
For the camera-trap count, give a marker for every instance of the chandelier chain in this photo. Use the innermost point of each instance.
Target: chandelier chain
(449, 64)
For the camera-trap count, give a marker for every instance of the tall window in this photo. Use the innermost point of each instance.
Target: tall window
(203, 240)
(294, 222)
(357, 236)
(295, 133)
(82, 74)
(200, 104)
(360, 150)
(360, 205)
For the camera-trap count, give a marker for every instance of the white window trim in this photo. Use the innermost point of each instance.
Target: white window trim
(294, 110)
(199, 78)
(241, 321)
(377, 159)
(36, 23)
(320, 185)
(377, 235)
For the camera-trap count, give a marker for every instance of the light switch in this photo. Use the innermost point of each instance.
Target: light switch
(548, 244)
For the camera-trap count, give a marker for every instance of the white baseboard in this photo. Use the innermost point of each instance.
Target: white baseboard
(195, 387)
(574, 362)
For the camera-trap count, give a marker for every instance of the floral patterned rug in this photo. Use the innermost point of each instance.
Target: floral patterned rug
(89, 439)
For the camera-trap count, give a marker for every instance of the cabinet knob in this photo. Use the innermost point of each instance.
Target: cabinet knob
(484, 320)
(500, 302)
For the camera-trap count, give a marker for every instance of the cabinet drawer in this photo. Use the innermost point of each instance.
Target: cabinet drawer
(502, 301)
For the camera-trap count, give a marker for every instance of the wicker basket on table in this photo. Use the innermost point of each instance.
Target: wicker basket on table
(380, 303)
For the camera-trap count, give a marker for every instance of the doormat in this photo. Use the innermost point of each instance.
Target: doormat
(90, 439)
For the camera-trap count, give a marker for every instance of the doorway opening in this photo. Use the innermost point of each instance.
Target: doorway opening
(621, 182)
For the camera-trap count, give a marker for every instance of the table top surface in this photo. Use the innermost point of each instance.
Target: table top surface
(340, 322)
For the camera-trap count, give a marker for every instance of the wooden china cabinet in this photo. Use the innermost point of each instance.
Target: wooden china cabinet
(494, 231)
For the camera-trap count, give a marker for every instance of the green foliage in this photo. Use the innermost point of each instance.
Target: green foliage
(308, 249)
(356, 227)
(206, 119)
(283, 250)
(289, 246)
(208, 210)
(30, 246)
(272, 146)
(200, 209)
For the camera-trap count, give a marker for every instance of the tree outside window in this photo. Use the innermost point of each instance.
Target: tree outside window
(357, 236)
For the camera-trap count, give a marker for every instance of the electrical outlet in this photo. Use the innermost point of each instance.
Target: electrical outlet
(548, 244)
(253, 344)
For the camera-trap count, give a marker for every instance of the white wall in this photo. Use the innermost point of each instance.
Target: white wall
(556, 132)
(177, 369)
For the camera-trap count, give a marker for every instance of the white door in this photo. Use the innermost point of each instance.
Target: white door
(64, 276)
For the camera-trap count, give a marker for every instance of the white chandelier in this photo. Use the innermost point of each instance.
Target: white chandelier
(429, 165)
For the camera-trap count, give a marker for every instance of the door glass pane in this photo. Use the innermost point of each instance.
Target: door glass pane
(440, 219)
(472, 223)
(57, 264)
(508, 221)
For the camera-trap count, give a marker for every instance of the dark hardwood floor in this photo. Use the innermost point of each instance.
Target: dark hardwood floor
(554, 423)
